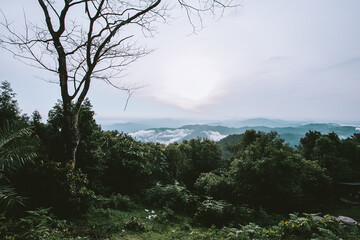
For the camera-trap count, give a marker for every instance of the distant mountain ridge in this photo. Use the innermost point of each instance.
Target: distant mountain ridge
(290, 131)
(255, 122)
(291, 135)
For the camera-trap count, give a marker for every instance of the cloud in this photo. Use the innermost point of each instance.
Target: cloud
(142, 134)
(213, 135)
(165, 137)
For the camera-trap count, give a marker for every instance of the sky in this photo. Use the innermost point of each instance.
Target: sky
(279, 59)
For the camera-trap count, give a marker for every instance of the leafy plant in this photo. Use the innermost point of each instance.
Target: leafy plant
(115, 201)
(173, 196)
(216, 212)
(135, 225)
(211, 184)
(39, 224)
(13, 155)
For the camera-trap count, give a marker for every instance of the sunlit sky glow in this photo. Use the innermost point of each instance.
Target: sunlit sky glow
(293, 60)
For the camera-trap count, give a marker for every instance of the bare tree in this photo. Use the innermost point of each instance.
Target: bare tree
(83, 40)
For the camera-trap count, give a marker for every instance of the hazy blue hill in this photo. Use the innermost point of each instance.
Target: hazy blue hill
(126, 127)
(133, 125)
(343, 131)
(255, 122)
(220, 129)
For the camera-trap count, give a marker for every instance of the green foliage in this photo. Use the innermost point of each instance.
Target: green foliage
(135, 225)
(214, 212)
(191, 158)
(9, 110)
(270, 174)
(132, 166)
(309, 227)
(296, 228)
(90, 154)
(176, 159)
(115, 201)
(36, 225)
(307, 144)
(64, 188)
(166, 215)
(252, 231)
(173, 196)
(211, 184)
(219, 213)
(339, 157)
(228, 145)
(16, 149)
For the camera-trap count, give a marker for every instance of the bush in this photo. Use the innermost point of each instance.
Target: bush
(135, 225)
(50, 184)
(37, 225)
(252, 231)
(217, 212)
(115, 201)
(210, 184)
(173, 196)
(165, 215)
(296, 228)
(309, 227)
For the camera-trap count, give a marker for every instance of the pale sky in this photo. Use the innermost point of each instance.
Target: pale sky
(292, 60)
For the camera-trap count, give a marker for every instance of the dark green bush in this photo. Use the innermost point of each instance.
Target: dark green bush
(64, 188)
(219, 213)
(214, 212)
(36, 225)
(251, 232)
(115, 201)
(211, 184)
(173, 196)
(296, 228)
(135, 225)
(165, 215)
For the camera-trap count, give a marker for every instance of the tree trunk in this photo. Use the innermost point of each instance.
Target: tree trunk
(70, 132)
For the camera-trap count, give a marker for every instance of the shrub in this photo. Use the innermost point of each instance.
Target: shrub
(173, 196)
(252, 231)
(135, 225)
(210, 184)
(37, 225)
(216, 212)
(165, 215)
(219, 213)
(296, 228)
(115, 201)
(64, 188)
(309, 227)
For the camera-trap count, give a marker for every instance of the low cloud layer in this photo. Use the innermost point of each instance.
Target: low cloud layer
(165, 137)
(215, 136)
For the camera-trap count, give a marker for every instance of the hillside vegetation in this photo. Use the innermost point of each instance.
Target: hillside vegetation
(121, 188)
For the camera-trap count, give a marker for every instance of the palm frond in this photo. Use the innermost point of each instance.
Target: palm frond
(9, 132)
(15, 150)
(9, 198)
